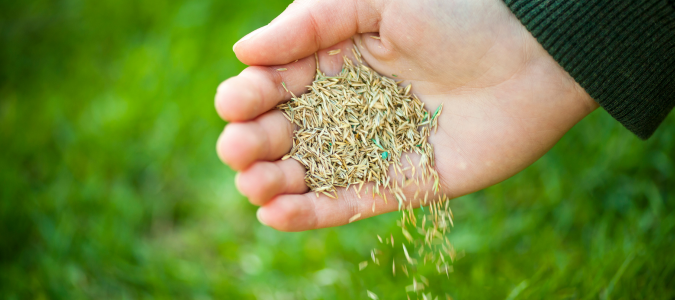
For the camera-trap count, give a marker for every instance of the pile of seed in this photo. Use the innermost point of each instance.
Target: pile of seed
(351, 129)
(353, 126)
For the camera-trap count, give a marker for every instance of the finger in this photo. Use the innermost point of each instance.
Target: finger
(259, 89)
(307, 211)
(305, 27)
(268, 137)
(264, 180)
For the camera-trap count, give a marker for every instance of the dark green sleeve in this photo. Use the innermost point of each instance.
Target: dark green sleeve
(621, 51)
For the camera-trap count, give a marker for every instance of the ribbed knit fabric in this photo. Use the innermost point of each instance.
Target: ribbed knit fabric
(622, 52)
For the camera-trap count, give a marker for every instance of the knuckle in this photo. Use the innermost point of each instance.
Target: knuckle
(221, 148)
(237, 147)
(293, 173)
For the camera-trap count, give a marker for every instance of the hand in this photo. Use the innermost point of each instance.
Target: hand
(506, 101)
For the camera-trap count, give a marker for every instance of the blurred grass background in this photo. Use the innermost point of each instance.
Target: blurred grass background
(111, 188)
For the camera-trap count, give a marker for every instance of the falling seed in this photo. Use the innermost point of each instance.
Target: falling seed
(407, 235)
(282, 69)
(375, 260)
(355, 217)
(372, 295)
(393, 267)
(375, 37)
(363, 265)
(407, 256)
(424, 280)
(334, 52)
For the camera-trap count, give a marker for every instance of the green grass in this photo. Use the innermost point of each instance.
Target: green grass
(111, 188)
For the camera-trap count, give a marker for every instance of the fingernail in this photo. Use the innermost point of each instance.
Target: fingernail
(257, 214)
(248, 36)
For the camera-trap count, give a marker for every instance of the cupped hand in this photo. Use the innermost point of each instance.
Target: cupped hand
(506, 101)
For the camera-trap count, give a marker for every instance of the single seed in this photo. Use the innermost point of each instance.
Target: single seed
(393, 267)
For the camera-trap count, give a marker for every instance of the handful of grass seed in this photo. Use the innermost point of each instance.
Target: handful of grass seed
(354, 126)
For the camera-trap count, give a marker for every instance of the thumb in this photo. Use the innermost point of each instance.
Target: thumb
(306, 27)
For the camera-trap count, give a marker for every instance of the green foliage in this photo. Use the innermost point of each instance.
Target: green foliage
(111, 188)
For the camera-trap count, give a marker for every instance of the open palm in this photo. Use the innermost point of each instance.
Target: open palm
(506, 101)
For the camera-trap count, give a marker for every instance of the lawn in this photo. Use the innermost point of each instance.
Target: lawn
(111, 187)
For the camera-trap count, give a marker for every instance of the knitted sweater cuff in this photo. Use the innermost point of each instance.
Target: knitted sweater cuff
(622, 52)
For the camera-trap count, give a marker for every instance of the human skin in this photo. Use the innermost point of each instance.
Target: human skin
(506, 100)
